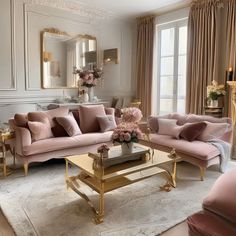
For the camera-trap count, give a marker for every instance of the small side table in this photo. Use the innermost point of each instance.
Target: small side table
(214, 111)
(5, 139)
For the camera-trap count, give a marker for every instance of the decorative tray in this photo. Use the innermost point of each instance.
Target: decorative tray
(115, 156)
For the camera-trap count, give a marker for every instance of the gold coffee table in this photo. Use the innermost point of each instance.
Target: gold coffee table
(5, 137)
(117, 176)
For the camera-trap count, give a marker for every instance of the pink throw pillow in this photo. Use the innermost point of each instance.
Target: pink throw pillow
(88, 118)
(40, 130)
(69, 124)
(42, 115)
(213, 131)
(107, 122)
(169, 127)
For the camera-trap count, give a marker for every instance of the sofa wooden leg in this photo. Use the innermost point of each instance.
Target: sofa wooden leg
(26, 168)
(202, 173)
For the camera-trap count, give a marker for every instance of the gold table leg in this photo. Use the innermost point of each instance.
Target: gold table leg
(71, 182)
(172, 176)
(99, 217)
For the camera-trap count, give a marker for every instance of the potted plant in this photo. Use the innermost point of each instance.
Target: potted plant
(214, 91)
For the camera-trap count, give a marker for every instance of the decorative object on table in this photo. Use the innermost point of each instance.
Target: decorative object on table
(229, 74)
(89, 78)
(84, 97)
(103, 150)
(110, 55)
(214, 91)
(116, 157)
(128, 132)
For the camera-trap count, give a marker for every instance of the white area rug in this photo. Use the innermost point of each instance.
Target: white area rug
(39, 204)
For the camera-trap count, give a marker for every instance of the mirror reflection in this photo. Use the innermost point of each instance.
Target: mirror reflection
(61, 53)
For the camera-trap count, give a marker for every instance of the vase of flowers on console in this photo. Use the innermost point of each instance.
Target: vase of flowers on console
(214, 92)
(127, 132)
(89, 79)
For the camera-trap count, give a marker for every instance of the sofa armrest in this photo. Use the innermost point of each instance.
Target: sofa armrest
(23, 138)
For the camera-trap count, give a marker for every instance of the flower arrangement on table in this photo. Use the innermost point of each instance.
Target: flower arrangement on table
(215, 90)
(89, 78)
(128, 132)
(103, 150)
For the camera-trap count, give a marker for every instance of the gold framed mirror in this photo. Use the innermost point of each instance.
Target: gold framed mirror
(61, 53)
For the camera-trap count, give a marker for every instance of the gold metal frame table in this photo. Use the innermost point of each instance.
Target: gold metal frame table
(117, 176)
(4, 147)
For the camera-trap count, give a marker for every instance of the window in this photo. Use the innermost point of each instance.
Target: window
(171, 72)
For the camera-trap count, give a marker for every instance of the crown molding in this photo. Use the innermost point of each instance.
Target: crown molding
(76, 7)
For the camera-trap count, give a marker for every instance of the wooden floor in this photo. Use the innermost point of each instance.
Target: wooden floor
(178, 230)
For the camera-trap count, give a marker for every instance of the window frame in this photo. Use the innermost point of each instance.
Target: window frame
(159, 27)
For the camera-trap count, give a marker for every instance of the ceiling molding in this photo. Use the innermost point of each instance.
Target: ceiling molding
(76, 7)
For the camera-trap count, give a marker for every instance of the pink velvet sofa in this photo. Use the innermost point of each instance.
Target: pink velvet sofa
(28, 150)
(218, 217)
(198, 152)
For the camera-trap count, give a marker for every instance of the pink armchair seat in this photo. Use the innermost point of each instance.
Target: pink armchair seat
(218, 217)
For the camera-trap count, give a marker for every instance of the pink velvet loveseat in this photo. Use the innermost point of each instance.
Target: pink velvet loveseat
(200, 151)
(218, 217)
(28, 150)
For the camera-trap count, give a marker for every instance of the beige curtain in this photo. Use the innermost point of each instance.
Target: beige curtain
(203, 45)
(145, 36)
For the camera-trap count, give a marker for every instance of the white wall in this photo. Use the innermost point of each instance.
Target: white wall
(20, 80)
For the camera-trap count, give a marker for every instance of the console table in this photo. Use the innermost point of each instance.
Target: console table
(70, 105)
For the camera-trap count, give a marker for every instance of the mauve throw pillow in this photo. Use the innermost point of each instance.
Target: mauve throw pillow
(88, 117)
(107, 122)
(213, 131)
(69, 124)
(169, 127)
(58, 130)
(40, 130)
(192, 130)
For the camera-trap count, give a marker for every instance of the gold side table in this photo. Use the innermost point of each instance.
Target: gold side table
(5, 139)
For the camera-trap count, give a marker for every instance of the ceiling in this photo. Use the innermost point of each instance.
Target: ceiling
(134, 8)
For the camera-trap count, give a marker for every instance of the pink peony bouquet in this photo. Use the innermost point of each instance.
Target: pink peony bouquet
(131, 114)
(126, 133)
(89, 78)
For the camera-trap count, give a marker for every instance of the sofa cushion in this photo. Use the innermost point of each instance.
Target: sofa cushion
(192, 130)
(69, 124)
(54, 144)
(40, 130)
(152, 122)
(181, 119)
(21, 120)
(169, 127)
(221, 199)
(50, 114)
(192, 118)
(88, 118)
(107, 122)
(213, 131)
(205, 223)
(58, 130)
(198, 149)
